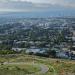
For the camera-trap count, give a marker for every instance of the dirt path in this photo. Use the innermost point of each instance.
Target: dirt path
(54, 71)
(43, 67)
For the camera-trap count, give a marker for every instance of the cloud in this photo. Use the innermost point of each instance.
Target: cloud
(35, 5)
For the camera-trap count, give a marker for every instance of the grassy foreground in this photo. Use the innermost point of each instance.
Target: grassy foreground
(18, 69)
(56, 66)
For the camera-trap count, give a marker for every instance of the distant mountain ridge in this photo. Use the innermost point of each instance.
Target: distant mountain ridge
(39, 14)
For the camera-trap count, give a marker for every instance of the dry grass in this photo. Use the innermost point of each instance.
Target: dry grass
(56, 66)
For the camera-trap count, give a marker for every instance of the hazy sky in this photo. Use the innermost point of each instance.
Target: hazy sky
(36, 5)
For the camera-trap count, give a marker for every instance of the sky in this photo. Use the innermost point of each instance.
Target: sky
(63, 7)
